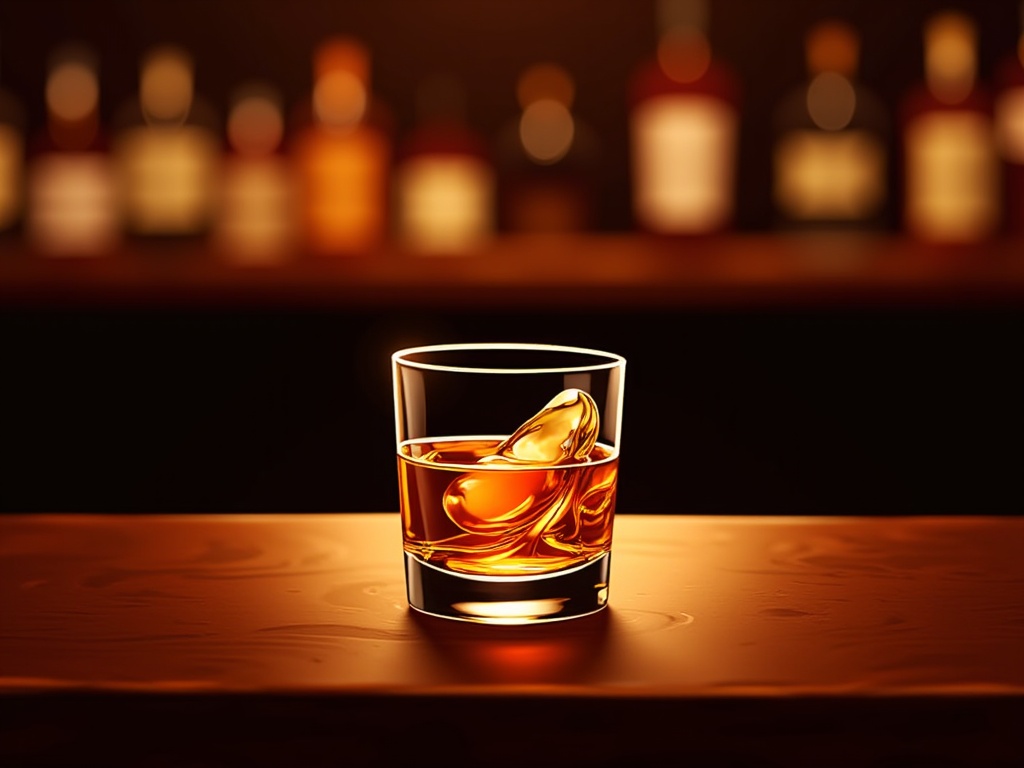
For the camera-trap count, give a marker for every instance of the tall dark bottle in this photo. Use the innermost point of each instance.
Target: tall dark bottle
(830, 158)
(952, 191)
(167, 151)
(72, 207)
(548, 157)
(342, 154)
(683, 129)
(445, 184)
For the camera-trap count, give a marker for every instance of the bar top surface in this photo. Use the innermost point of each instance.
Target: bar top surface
(699, 607)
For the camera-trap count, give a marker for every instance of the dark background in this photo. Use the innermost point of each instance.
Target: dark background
(864, 409)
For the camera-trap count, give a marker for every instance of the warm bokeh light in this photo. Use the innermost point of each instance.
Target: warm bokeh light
(829, 175)
(72, 205)
(12, 149)
(339, 99)
(255, 222)
(683, 163)
(1009, 121)
(446, 203)
(546, 129)
(952, 179)
(341, 82)
(545, 81)
(72, 95)
(342, 161)
(255, 122)
(952, 184)
(831, 101)
(167, 165)
(684, 54)
(166, 84)
(833, 46)
(342, 54)
(950, 56)
(72, 86)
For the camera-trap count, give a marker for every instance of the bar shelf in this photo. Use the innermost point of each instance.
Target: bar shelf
(596, 271)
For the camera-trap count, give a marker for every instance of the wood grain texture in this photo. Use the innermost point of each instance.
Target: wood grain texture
(820, 624)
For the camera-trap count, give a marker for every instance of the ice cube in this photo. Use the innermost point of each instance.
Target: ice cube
(564, 431)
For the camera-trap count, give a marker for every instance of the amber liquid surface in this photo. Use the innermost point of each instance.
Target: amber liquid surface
(501, 519)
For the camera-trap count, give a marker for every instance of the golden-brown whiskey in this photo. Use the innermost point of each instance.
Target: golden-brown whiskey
(466, 512)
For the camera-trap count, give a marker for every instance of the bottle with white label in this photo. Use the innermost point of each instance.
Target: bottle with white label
(830, 159)
(256, 213)
(683, 129)
(167, 151)
(445, 185)
(1009, 125)
(12, 162)
(548, 157)
(952, 191)
(72, 207)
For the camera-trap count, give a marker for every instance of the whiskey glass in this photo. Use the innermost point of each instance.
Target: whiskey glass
(508, 459)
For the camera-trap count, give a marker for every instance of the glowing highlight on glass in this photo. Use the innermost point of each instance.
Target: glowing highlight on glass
(511, 612)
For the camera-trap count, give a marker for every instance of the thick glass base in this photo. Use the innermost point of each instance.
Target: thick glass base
(567, 594)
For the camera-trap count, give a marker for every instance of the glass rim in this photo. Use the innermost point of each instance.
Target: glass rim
(610, 359)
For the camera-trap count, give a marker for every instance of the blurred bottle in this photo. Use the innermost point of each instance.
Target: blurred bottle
(830, 156)
(167, 151)
(952, 188)
(445, 185)
(12, 161)
(1009, 122)
(547, 158)
(72, 205)
(256, 215)
(342, 155)
(683, 128)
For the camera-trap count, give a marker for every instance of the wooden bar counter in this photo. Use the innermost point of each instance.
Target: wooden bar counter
(215, 640)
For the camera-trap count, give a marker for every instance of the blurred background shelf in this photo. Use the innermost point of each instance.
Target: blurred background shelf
(551, 272)
(770, 372)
